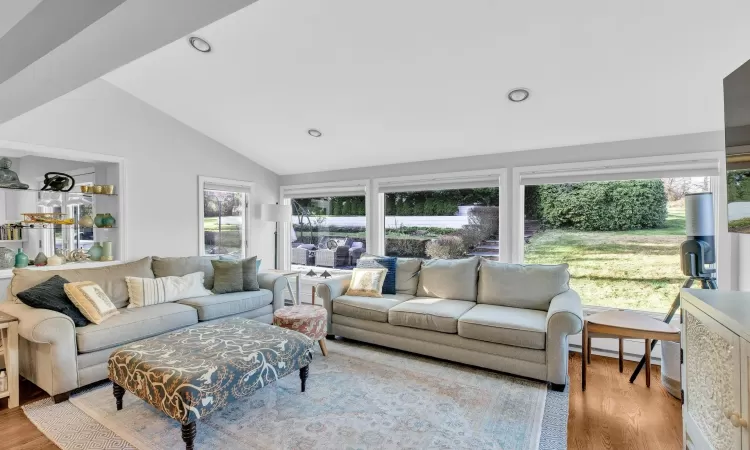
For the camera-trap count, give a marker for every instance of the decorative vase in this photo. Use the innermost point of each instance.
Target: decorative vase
(54, 260)
(86, 222)
(21, 259)
(7, 258)
(107, 251)
(41, 259)
(108, 221)
(98, 220)
(95, 252)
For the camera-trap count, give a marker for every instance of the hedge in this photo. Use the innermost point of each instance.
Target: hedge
(604, 206)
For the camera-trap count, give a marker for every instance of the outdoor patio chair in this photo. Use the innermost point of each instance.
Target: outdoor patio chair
(332, 258)
(355, 252)
(303, 254)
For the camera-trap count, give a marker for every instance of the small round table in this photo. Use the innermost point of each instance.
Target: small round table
(624, 324)
(310, 320)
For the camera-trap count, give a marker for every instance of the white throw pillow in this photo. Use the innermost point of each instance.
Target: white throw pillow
(152, 291)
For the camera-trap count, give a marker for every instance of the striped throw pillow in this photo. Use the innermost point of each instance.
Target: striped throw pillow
(152, 291)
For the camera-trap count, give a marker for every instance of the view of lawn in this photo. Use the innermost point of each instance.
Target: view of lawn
(638, 269)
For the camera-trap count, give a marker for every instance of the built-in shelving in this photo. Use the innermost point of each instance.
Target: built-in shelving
(75, 192)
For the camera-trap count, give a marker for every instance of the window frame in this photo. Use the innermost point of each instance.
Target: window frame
(333, 189)
(439, 181)
(680, 165)
(229, 185)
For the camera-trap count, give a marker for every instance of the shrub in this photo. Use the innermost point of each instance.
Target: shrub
(604, 206)
(446, 247)
(486, 219)
(406, 248)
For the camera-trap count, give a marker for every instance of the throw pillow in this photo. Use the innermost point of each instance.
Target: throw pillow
(91, 300)
(367, 282)
(381, 262)
(250, 274)
(152, 291)
(227, 276)
(51, 295)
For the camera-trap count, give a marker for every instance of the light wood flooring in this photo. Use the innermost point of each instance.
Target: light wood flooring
(611, 414)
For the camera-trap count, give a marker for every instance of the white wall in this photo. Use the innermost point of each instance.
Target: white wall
(163, 159)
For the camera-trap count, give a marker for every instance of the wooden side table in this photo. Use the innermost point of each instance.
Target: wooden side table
(621, 325)
(9, 350)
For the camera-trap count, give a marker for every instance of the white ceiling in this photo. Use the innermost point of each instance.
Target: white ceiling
(394, 81)
(49, 48)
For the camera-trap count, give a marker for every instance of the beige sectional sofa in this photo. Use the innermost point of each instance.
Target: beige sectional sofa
(59, 357)
(506, 317)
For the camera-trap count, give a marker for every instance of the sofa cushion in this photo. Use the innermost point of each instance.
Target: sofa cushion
(428, 313)
(51, 295)
(449, 278)
(367, 308)
(134, 324)
(221, 305)
(181, 266)
(381, 262)
(504, 325)
(110, 278)
(407, 275)
(529, 286)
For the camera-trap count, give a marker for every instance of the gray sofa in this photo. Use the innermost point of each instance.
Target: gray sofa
(59, 357)
(506, 317)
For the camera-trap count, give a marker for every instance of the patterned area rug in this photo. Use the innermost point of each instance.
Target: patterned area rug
(359, 397)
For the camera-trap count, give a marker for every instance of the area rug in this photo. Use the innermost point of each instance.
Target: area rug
(359, 397)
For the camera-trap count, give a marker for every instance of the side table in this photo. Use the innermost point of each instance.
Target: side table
(9, 350)
(620, 325)
(289, 274)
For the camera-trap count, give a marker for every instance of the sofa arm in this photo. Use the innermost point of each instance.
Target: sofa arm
(564, 317)
(275, 283)
(55, 371)
(330, 289)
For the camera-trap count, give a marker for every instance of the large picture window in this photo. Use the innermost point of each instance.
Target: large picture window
(328, 232)
(621, 239)
(224, 222)
(445, 224)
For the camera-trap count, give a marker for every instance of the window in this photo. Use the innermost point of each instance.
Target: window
(224, 223)
(621, 239)
(445, 223)
(328, 232)
(223, 226)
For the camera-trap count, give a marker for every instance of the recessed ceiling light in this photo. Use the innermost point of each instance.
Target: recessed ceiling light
(518, 95)
(314, 133)
(199, 44)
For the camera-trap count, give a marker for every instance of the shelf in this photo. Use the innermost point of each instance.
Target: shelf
(51, 226)
(12, 241)
(73, 192)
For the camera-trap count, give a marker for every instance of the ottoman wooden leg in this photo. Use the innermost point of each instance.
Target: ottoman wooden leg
(119, 392)
(303, 376)
(188, 435)
(323, 348)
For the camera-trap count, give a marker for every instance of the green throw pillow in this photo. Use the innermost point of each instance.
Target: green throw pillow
(250, 274)
(227, 276)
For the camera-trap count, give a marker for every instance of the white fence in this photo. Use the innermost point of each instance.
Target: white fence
(396, 221)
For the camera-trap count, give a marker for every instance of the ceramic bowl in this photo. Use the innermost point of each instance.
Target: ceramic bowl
(98, 189)
(85, 189)
(108, 189)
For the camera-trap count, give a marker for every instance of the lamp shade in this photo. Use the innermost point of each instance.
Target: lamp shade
(271, 212)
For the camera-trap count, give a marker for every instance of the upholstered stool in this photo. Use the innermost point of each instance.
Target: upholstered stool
(309, 320)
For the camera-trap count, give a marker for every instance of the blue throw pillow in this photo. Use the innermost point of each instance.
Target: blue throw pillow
(381, 262)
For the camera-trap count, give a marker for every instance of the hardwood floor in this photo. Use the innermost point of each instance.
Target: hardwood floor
(611, 414)
(614, 414)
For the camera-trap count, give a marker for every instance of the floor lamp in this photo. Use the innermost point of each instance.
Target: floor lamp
(273, 212)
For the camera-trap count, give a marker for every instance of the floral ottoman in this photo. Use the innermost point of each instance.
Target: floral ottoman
(310, 320)
(192, 372)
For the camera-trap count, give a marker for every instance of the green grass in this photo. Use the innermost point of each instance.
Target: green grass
(637, 269)
(212, 224)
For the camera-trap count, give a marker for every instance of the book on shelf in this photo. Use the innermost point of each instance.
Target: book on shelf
(11, 232)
